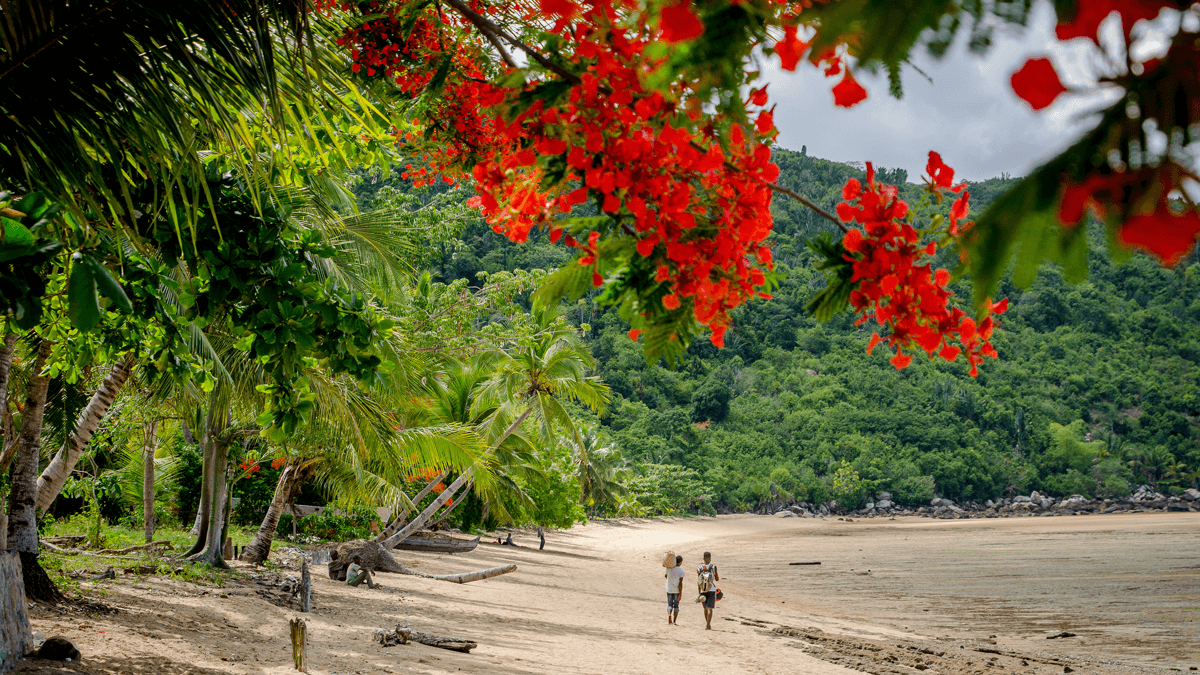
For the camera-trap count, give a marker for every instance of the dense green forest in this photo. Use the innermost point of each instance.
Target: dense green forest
(1094, 391)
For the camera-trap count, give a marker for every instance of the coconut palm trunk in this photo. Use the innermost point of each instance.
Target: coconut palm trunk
(150, 443)
(50, 483)
(446, 514)
(216, 463)
(399, 520)
(200, 528)
(450, 491)
(258, 549)
(213, 551)
(22, 499)
(6, 358)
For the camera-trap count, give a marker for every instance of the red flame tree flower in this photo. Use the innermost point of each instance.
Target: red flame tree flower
(652, 118)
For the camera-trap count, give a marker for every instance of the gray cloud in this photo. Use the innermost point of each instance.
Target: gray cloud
(968, 113)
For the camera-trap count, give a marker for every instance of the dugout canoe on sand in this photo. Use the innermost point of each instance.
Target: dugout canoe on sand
(438, 542)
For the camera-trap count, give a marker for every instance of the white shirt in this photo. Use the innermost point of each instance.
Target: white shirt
(674, 576)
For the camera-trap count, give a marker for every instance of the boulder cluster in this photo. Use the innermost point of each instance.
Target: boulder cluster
(1034, 504)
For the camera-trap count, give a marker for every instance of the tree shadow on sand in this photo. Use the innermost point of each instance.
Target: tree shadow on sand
(102, 665)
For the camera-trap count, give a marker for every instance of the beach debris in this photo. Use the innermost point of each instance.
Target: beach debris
(58, 648)
(377, 559)
(106, 574)
(805, 563)
(402, 634)
(391, 638)
(299, 632)
(281, 590)
(1063, 634)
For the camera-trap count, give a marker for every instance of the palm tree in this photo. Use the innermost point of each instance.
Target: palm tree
(22, 498)
(599, 469)
(353, 449)
(535, 376)
(103, 95)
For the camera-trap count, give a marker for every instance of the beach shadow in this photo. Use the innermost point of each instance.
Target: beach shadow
(101, 665)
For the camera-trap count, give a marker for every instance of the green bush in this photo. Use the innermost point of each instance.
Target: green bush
(332, 525)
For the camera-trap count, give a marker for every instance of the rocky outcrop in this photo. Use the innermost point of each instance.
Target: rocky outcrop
(1035, 503)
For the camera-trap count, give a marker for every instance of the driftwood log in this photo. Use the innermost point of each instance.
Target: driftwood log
(376, 558)
(466, 577)
(403, 635)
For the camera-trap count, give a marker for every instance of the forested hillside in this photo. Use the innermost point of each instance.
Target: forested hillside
(1094, 391)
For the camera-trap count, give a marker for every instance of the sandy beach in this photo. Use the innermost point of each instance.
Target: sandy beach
(889, 597)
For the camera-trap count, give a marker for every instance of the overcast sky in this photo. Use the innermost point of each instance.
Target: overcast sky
(969, 112)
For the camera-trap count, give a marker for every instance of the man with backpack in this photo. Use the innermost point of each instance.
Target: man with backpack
(706, 581)
(675, 577)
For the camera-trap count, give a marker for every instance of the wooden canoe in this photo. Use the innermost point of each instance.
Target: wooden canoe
(437, 542)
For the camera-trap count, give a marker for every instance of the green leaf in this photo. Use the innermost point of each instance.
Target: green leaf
(83, 307)
(16, 234)
(438, 81)
(108, 285)
(572, 280)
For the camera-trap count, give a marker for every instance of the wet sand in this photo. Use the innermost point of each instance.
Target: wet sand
(890, 597)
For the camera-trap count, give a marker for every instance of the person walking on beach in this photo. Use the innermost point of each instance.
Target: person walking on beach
(706, 582)
(675, 577)
(541, 538)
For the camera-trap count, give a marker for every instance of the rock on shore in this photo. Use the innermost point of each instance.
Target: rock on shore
(1144, 498)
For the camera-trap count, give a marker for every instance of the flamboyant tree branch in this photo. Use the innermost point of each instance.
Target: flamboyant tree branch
(493, 32)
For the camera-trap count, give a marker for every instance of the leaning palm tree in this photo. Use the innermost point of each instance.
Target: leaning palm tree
(534, 377)
(452, 396)
(353, 448)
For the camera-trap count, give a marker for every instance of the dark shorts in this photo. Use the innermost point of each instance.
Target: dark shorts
(710, 599)
(673, 601)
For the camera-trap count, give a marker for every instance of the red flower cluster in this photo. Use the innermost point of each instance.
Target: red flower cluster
(1167, 233)
(847, 93)
(439, 488)
(700, 213)
(894, 283)
(250, 467)
(1139, 201)
(278, 462)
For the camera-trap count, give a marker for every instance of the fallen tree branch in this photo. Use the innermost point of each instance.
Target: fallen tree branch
(106, 553)
(129, 549)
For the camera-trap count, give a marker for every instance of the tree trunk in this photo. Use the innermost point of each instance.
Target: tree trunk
(38, 585)
(398, 521)
(6, 357)
(468, 577)
(50, 483)
(200, 528)
(150, 444)
(215, 543)
(446, 514)
(211, 540)
(428, 513)
(22, 500)
(258, 549)
(449, 492)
